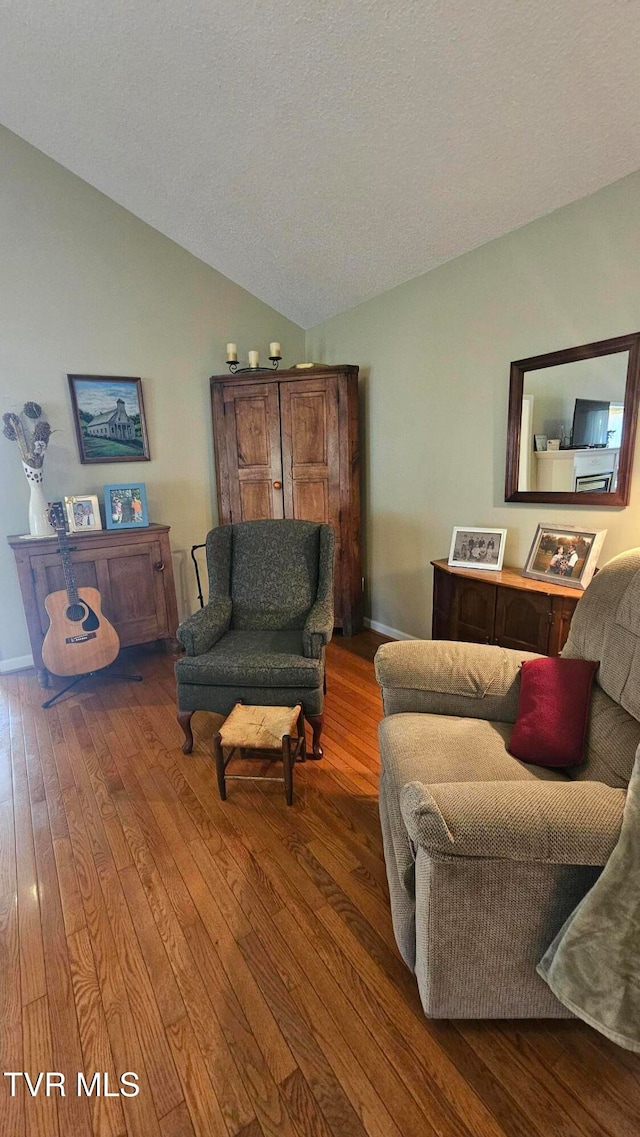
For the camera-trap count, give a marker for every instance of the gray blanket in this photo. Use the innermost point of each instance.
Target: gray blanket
(593, 965)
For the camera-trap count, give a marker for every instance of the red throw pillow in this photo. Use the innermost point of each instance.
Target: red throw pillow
(553, 711)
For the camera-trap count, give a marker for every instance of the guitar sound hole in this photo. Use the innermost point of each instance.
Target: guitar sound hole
(75, 612)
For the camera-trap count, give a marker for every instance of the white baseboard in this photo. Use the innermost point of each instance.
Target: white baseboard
(385, 630)
(17, 664)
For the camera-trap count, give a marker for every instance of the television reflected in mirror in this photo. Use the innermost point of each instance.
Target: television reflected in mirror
(572, 422)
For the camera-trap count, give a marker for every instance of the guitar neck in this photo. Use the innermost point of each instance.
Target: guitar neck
(67, 567)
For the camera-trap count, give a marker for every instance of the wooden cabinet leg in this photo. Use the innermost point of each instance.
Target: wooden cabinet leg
(218, 754)
(287, 767)
(184, 718)
(316, 722)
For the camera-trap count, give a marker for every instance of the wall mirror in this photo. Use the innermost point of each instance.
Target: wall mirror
(572, 424)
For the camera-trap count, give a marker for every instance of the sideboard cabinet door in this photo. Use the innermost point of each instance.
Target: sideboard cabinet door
(474, 612)
(522, 620)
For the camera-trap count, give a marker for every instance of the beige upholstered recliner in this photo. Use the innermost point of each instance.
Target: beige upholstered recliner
(486, 856)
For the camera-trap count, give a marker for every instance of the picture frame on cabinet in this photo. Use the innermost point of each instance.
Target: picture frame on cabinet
(125, 506)
(477, 548)
(564, 554)
(83, 513)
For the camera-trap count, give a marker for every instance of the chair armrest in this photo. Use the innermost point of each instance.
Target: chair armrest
(199, 632)
(318, 628)
(450, 678)
(564, 823)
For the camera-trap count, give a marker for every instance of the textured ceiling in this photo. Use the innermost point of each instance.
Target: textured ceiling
(319, 152)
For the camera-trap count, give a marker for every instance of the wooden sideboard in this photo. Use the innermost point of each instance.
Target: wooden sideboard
(503, 608)
(131, 568)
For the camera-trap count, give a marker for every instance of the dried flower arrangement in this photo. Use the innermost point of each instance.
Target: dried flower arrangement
(32, 441)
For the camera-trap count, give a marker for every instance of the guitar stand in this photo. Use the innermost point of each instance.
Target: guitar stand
(89, 675)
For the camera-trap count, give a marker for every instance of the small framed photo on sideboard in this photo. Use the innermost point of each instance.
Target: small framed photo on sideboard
(477, 548)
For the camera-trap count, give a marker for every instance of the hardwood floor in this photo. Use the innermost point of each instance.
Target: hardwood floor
(239, 957)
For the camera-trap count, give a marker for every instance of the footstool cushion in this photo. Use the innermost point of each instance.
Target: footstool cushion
(260, 728)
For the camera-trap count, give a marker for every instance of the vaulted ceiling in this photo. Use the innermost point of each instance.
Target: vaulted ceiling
(319, 152)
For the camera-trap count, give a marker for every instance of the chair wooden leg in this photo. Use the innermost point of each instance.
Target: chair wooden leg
(219, 757)
(316, 723)
(302, 737)
(287, 768)
(184, 718)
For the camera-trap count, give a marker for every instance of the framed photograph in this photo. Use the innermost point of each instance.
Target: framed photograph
(83, 513)
(108, 413)
(568, 556)
(540, 441)
(126, 506)
(477, 548)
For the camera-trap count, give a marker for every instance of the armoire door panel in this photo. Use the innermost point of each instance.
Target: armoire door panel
(310, 450)
(311, 500)
(256, 501)
(252, 434)
(309, 420)
(311, 459)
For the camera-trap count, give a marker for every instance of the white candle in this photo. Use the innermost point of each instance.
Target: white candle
(232, 353)
(274, 350)
(254, 359)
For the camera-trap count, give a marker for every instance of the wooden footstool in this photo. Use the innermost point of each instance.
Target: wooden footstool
(260, 728)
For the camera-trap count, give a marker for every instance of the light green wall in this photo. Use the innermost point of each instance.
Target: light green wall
(434, 356)
(87, 288)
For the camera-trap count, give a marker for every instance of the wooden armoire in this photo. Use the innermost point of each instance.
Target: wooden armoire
(286, 445)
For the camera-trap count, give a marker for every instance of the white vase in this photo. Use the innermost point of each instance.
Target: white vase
(39, 525)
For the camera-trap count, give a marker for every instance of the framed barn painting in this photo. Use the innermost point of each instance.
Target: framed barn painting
(108, 413)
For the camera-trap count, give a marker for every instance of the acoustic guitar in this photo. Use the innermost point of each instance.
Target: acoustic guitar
(79, 639)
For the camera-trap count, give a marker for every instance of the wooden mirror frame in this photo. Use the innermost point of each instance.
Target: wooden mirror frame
(630, 343)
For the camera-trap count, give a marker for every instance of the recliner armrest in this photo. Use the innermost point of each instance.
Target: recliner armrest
(450, 678)
(199, 632)
(567, 823)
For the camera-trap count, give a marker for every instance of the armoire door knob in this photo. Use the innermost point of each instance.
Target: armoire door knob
(277, 485)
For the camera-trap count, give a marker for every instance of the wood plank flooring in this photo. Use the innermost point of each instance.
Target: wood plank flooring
(239, 957)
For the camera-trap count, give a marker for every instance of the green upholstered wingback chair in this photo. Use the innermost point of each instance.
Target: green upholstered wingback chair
(262, 635)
